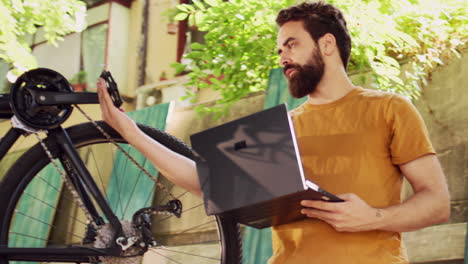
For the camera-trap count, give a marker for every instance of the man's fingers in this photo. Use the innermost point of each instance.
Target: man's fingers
(346, 196)
(325, 206)
(105, 94)
(104, 99)
(319, 214)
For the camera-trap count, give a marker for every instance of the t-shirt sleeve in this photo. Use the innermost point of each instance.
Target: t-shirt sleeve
(409, 138)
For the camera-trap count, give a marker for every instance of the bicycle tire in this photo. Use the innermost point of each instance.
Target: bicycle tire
(22, 173)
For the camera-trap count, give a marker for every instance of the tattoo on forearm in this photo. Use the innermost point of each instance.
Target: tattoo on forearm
(378, 213)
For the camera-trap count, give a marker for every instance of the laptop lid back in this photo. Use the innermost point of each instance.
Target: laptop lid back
(248, 161)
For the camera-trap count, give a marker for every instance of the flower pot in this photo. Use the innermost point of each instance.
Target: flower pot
(79, 87)
(172, 28)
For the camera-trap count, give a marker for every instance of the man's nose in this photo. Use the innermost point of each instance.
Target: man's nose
(285, 60)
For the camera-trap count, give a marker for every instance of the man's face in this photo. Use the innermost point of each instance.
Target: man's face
(301, 59)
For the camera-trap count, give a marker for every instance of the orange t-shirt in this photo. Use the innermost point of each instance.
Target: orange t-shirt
(353, 145)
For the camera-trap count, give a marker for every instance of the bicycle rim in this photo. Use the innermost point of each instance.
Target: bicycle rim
(32, 187)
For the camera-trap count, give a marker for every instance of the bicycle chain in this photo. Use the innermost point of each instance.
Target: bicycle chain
(108, 137)
(70, 186)
(67, 182)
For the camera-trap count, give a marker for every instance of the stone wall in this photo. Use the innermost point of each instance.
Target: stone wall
(444, 106)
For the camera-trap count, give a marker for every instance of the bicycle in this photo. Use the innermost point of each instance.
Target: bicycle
(91, 230)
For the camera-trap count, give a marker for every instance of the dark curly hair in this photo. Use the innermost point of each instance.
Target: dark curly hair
(320, 18)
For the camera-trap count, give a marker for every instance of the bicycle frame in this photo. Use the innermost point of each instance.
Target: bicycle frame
(80, 178)
(13, 134)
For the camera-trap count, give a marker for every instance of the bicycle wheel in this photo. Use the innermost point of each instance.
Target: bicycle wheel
(31, 186)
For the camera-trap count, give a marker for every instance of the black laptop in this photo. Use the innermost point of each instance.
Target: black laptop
(250, 169)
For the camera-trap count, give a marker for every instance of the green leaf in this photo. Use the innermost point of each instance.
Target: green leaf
(212, 2)
(196, 46)
(199, 4)
(199, 17)
(241, 17)
(389, 60)
(191, 20)
(183, 7)
(181, 16)
(179, 68)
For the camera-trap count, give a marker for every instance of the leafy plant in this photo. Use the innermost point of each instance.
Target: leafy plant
(240, 43)
(79, 78)
(170, 14)
(20, 19)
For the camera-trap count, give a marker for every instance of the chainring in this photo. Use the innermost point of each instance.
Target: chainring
(25, 107)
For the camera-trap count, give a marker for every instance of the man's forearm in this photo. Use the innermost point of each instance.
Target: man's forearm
(425, 208)
(179, 169)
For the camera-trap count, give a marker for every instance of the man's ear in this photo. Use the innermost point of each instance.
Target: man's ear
(327, 44)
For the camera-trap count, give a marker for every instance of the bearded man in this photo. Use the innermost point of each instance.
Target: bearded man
(357, 143)
(354, 142)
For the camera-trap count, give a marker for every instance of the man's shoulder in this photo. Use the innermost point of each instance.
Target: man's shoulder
(363, 96)
(371, 94)
(297, 111)
(383, 98)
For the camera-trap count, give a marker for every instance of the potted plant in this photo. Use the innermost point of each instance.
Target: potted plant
(79, 82)
(163, 76)
(171, 23)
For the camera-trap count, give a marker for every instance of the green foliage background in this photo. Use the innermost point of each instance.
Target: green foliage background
(19, 20)
(240, 43)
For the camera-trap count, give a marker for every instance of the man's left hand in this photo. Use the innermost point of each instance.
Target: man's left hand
(352, 215)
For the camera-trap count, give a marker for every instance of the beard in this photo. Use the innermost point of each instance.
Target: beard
(306, 78)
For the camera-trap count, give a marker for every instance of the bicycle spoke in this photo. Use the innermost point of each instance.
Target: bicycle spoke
(196, 227)
(99, 172)
(56, 189)
(169, 217)
(208, 242)
(50, 184)
(42, 222)
(165, 195)
(53, 207)
(152, 250)
(117, 179)
(51, 242)
(24, 235)
(189, 254)
(148, 197)
(131, 193)
(184, 193)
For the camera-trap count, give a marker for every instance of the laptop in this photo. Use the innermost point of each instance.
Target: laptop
(250, 170)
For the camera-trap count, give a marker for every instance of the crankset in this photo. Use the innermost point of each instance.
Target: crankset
(43, 98)
(28, 110)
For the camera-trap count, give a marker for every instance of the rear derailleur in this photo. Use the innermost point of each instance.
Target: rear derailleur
(138, 236)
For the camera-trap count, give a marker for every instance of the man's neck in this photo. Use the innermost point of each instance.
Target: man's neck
(334, 85)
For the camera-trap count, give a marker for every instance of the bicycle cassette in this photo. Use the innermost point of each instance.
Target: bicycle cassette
(130, 255)
(28, 110)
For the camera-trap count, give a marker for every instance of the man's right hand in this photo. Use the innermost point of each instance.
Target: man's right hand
(176, 168)
(112, 115)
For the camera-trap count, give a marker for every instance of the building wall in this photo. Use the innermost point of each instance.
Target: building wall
(443, 105)
(161, 46)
